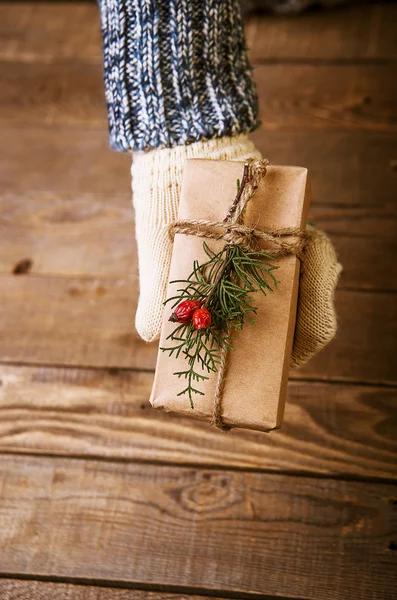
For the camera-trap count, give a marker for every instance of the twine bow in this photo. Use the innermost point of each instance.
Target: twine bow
(234, 232)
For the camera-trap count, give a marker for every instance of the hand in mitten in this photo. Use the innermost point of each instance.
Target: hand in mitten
(156, 184)
(316, 323)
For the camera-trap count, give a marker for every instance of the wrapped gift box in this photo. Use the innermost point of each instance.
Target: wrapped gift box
(258, 366)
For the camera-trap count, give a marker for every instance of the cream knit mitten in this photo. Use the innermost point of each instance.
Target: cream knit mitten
(156, 185)
(316, 322)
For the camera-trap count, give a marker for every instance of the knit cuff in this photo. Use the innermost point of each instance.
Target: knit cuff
(176, 72)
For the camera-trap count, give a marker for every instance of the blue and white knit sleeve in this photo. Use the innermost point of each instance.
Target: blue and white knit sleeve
(176, 72)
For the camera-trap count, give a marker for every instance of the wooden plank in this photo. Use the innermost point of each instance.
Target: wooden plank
(41, 225)
(362, 221)
(310, 538)
(68, 93)
(344, 34)
(61, 160)
(35, 31)
(72, 321)
(365, 346)
(80, 322)
(328, 428)
(367, 264)
(15, 589)
(336, 97)
(348, 170)
(341, 97)
(40, 31)
(47, 229)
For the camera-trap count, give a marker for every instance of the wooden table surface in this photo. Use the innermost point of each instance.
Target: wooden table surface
(101, 497)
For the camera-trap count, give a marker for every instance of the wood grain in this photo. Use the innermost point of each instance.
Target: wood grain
(78, 235)
(48, 229)
(357, 221)
(71, 321)
(48, 31)
(80, 322)
(276, 534)
(61, 160)
(342, 97)
(15, 589)
(364, 348)
(367, 264)
(36, 32)
(344, 34)
(292, 97)
(328, 428)
(348, 170)
(69, 93)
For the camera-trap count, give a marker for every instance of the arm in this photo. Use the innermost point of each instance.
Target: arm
(176, 72)
(178, 86)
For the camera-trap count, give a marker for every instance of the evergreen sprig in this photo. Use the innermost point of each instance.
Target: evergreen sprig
(225, 285)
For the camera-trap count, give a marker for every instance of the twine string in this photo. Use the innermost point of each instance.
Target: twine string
(217, 418)
(247, 237)
(233, 232)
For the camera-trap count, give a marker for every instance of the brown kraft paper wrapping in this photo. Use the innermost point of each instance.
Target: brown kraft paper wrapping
(258, 366)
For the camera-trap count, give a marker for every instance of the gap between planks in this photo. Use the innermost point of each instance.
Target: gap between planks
(150, 370)
(354, 170)
(45, 319)
(332, 430)
(38, 587)
(48, 588)
(35, 32)
(239, 531)
(292, 97)
(392, 481)
(43, 233)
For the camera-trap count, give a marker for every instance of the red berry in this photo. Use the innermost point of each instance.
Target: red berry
(184, 311)
(201, 318)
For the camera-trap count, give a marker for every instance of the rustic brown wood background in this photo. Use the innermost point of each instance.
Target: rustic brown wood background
(100, 496)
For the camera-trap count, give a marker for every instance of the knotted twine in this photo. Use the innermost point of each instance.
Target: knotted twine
(234, 232)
